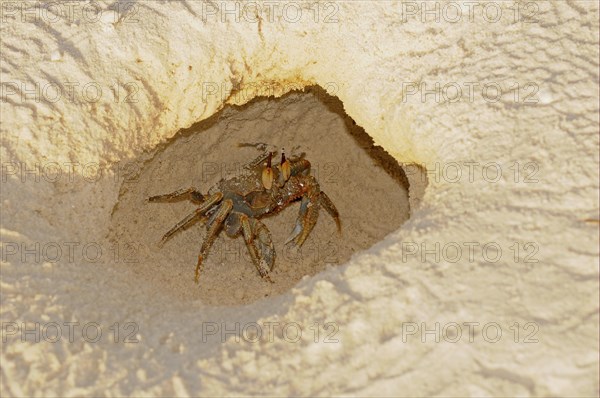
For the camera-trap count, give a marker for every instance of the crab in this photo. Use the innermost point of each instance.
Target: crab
(237, 204)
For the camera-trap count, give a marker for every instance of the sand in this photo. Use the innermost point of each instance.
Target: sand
(378, 318)
(369, 189)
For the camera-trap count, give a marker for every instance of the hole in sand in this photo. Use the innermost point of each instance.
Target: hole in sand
(368, 187)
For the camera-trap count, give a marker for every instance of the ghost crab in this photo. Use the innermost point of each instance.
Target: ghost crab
(261, 189)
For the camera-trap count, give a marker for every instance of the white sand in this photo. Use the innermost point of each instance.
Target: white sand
(162, 67)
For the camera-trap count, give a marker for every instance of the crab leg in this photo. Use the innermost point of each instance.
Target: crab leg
(180, 225)
(180, 194)
(330, 208)
(214, 229)
(206, 205)
(251, 229)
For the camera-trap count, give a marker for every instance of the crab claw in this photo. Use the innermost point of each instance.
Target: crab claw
(295, 232)
(305, 222)
(308, 215)
(267, 174)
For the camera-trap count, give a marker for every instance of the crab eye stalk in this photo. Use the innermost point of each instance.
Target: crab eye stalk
(267, 174)
(286, 169)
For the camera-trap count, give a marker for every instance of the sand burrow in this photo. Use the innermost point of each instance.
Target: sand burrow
(366, 184)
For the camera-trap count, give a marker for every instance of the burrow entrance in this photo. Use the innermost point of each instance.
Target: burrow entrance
(368, 187)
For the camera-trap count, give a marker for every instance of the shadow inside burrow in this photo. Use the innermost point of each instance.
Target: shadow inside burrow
(367, 185)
